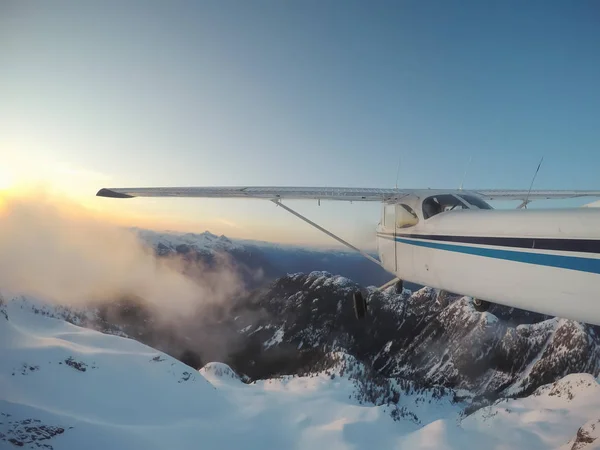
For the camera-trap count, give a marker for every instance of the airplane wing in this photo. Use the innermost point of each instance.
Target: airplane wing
(332, 193)
(264, 192)
(503, 194)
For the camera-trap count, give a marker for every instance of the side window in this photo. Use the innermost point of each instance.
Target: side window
(389, 216)
(405, 216)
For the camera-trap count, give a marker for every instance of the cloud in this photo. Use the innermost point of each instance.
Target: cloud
(63, 252)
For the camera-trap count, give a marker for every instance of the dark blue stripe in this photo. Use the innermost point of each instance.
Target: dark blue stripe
(590, 265)
(556, 244)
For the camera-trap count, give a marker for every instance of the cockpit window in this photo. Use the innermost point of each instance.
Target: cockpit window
(405, 216)
(477, 202)
(440, 203)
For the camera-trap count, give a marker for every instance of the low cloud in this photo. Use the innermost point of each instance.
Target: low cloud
(65, 253)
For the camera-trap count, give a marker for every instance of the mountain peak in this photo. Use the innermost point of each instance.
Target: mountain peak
(217, 373)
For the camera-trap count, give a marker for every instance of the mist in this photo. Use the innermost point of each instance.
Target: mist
(65, 253)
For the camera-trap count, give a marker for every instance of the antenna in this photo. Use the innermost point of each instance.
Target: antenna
(524, 205)
(465, 174)
(398, 172)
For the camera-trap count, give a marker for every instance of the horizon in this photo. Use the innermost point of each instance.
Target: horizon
(336, 94)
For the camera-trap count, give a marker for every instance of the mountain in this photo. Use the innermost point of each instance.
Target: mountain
(417, 336)
(296, 367)
(290, 325)
(259, 262)
(64, 387)
(587, 437)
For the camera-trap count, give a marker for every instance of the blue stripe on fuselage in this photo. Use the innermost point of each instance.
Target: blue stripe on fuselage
(590, 265)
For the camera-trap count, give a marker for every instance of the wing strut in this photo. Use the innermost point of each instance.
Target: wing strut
(327, 232)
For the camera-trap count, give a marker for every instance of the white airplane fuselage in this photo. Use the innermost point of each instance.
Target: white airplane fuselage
(540, 260)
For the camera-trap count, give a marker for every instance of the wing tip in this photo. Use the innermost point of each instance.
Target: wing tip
(111, 194)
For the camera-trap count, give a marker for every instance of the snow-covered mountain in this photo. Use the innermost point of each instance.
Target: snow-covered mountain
(67, 387)
(290, 325)
(416, 336)
(269, 259)
(167, 242)
(297, 368)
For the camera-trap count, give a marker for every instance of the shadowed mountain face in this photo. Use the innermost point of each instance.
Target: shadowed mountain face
(414, 336)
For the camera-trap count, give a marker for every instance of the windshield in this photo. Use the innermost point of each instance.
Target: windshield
(441, 203)
(474, 201)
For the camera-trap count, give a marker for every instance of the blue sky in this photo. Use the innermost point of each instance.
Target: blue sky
(296, 93)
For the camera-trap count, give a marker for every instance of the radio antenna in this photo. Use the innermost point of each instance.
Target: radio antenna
(398, 172)
(465, 174)
(524, 205)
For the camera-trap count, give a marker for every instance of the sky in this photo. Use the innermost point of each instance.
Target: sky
(272, 92)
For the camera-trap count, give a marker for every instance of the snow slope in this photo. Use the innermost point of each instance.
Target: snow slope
(109, 389)
(66, 387)
(541, 420)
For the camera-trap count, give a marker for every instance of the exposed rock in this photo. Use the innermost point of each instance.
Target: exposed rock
(587, 435)
(77, 365)
(430, 340)
(29, 432)
(3, 312)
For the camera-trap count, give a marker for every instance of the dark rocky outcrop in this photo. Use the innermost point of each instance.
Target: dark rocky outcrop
(419, 336)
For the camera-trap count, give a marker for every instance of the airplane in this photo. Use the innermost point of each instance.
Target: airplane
(542, 260)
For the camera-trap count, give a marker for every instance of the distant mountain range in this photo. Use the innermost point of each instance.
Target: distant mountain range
(274, 260)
